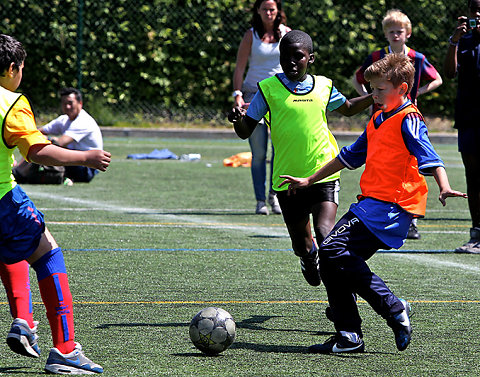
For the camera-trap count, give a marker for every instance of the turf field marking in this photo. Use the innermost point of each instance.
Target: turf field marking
(219, 302)
(401, 251)
(177, 220)
(427, 260)
(215, 225)
(157, 210)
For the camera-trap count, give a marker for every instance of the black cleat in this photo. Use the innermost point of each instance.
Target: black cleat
(340, 343)
(413, 232)
(311, 268)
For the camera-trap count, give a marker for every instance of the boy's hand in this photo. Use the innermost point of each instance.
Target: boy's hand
(294, 183)
(236, 114)
(97, 159)
(450, 193)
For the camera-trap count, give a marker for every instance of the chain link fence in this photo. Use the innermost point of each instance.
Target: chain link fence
(173, 61)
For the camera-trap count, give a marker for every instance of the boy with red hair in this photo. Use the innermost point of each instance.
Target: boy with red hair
(397, 153)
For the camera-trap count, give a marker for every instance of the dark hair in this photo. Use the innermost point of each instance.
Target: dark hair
(68, 91)
(11, 51)
(257, 23)
(300, 37)
(396, 68)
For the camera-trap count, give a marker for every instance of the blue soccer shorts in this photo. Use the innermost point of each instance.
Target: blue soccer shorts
(21, 226)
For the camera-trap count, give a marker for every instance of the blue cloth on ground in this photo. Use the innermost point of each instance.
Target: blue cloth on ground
(163, 154)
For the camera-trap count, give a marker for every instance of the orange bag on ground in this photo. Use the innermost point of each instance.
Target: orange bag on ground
(243, 159)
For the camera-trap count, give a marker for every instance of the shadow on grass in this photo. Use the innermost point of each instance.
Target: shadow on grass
(277, 348)
(19, 370)
(252, 323)
(268, 236)
(138, 324)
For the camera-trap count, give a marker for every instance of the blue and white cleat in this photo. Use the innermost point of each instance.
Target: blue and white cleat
(74, 362)
(400, 324)
(22, 339)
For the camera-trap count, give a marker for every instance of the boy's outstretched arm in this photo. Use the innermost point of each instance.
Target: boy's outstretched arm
(442, 181)
(242, 123)
(355, 105)
(326, 170)
(52, 155)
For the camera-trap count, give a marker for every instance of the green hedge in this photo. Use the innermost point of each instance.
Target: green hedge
(169, 57)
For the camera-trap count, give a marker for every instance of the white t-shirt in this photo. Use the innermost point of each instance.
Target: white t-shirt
(83, 130)
(264, 61)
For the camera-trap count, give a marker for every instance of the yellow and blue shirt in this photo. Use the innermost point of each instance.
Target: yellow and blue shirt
(18, 130)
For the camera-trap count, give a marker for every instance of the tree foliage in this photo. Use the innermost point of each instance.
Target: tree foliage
(179, 56)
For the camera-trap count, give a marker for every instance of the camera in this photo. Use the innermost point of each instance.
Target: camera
(473, 23)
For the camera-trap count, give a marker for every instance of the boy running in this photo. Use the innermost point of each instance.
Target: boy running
(23, 235)
(294, 104)
(397, 153)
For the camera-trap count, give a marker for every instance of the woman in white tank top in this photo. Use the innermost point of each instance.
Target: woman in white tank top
(260, 49)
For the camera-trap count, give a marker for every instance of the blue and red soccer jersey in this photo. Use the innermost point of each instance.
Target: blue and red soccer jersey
(424, 70)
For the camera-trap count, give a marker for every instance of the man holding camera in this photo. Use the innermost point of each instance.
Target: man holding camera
(463, 60)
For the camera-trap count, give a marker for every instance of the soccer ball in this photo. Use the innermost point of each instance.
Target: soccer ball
(212, 330)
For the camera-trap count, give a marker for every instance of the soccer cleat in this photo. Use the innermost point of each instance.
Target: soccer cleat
(342, 342)
(413, 232)
(22, 339)
(469, 248)
(68, 182)
(273, 201)
(261, 208)
(74, 362)
(400, 324)
(311, 267)
(473, 245)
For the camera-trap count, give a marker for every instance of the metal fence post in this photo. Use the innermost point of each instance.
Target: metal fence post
(79, 43)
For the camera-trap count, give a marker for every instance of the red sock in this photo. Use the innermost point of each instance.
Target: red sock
(56, 296)
(16, 281)
(58, 301)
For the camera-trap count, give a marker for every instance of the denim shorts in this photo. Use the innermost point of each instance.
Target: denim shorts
(21, 226)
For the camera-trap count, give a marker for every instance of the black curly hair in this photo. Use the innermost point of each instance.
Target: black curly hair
(11, 51)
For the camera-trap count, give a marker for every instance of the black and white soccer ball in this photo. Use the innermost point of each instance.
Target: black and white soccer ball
(212, 330)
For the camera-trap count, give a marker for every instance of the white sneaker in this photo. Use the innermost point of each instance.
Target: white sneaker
(273, 201)
(472, 246)
(261, 208)
(469, 248)
(68, 182)
(22, 339)
(74, 362)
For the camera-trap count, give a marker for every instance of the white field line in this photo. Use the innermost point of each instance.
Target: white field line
(171, 218)
(213, 210)
(156, 210)
(434, 261)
